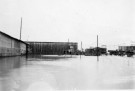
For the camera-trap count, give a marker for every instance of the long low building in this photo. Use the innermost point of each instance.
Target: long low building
(52, 48)
(127, 48)
(10, 46)
(97, 51)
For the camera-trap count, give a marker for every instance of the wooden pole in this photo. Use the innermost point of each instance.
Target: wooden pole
(97, 49)
(68, 47)
(21, 29)
(81, 47)
(97, 45)
(81, 50)
(97, 40)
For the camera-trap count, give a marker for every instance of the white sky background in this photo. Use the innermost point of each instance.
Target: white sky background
(78, 20)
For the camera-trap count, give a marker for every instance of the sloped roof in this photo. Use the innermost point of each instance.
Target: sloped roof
(12, 37)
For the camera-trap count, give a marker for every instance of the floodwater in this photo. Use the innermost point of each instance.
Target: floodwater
(40, 73)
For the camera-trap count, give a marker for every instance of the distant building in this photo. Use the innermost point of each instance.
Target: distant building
(95, 51)
(127, 48)
(10, 46)
(52, 48)
(123, 50)
(113, 52)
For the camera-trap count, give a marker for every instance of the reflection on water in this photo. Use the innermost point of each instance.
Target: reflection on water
(38, 73)
(7, 65)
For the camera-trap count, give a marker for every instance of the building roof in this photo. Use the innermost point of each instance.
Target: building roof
(50, 42)
(12, 37)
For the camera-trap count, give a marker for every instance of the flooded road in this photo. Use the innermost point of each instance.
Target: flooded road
(38, 73)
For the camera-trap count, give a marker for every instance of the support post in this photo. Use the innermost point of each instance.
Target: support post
(21, 29)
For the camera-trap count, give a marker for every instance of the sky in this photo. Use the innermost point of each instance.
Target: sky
(77, 20)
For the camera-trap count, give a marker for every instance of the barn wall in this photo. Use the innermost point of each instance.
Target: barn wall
(10, 46)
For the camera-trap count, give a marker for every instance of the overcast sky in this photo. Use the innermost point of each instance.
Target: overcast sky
(76, 20)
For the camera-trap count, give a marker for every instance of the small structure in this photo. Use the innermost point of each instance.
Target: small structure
(95, 51)
(123, 50)
(129, 50)
(10, 46)
(113, 52)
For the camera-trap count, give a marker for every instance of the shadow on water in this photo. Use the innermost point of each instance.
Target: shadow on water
(7, 66)
(48, 57)
(8, 63)
(97, 58)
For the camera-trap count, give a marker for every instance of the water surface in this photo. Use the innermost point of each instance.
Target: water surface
(38, 73)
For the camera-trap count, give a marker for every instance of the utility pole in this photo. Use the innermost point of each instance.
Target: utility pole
(81, 48)
(97, 49)
(67, 49)
(97, 40)
(97, 45)
(21, 29)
